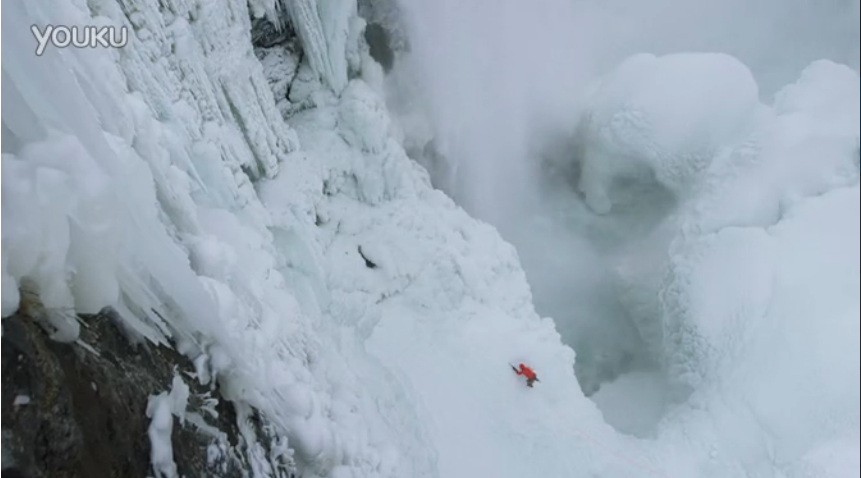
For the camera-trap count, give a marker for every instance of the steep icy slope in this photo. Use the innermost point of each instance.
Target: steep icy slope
(748, 292)
(126, 184)
(272, 305)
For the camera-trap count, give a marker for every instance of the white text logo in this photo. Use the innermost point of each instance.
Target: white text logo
(79, 37)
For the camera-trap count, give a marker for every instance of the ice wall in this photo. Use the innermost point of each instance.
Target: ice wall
(323, 26)
(150, 152)
(128, 183)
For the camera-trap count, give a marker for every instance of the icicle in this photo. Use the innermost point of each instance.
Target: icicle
(161, 409)
(323, 26)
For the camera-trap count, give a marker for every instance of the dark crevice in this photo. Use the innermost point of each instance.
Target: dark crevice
(295, 74)
(265, 34)
(368, 263)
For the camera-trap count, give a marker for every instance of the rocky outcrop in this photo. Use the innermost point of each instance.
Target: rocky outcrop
(380, 45)
(80, 410)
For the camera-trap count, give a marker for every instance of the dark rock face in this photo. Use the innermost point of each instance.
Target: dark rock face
(388, 17)
(68, 412)
(380, 46)
(265, 34)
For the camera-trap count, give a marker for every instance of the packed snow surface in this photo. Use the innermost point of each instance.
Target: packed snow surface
(308, 267)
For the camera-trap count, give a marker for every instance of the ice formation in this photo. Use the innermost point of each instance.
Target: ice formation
(184, 244)
(310, 270)
(161, 410)
(325, 29)
(646, 118)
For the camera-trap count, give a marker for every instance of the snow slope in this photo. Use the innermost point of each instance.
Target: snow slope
(446, 308)
(369, 317)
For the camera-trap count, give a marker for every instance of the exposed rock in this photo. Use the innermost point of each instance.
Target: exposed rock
(265, 34)
(380, 45)
(388, 17)
(73, 410)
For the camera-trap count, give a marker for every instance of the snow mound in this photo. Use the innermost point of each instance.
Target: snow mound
(826, 91)
(365, 118)
(646, 117)
(774, 366)
(716, 253)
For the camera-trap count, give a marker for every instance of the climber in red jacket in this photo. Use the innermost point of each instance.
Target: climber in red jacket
(527, 372)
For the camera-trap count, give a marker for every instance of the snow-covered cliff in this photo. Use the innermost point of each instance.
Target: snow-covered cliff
(128, 183)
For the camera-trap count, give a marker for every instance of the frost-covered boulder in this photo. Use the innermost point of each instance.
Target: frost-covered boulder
(825, 91)
(740, 238)
(363, 119)
(665, 116)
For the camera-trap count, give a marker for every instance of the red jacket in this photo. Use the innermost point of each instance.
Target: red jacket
(526, 372)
